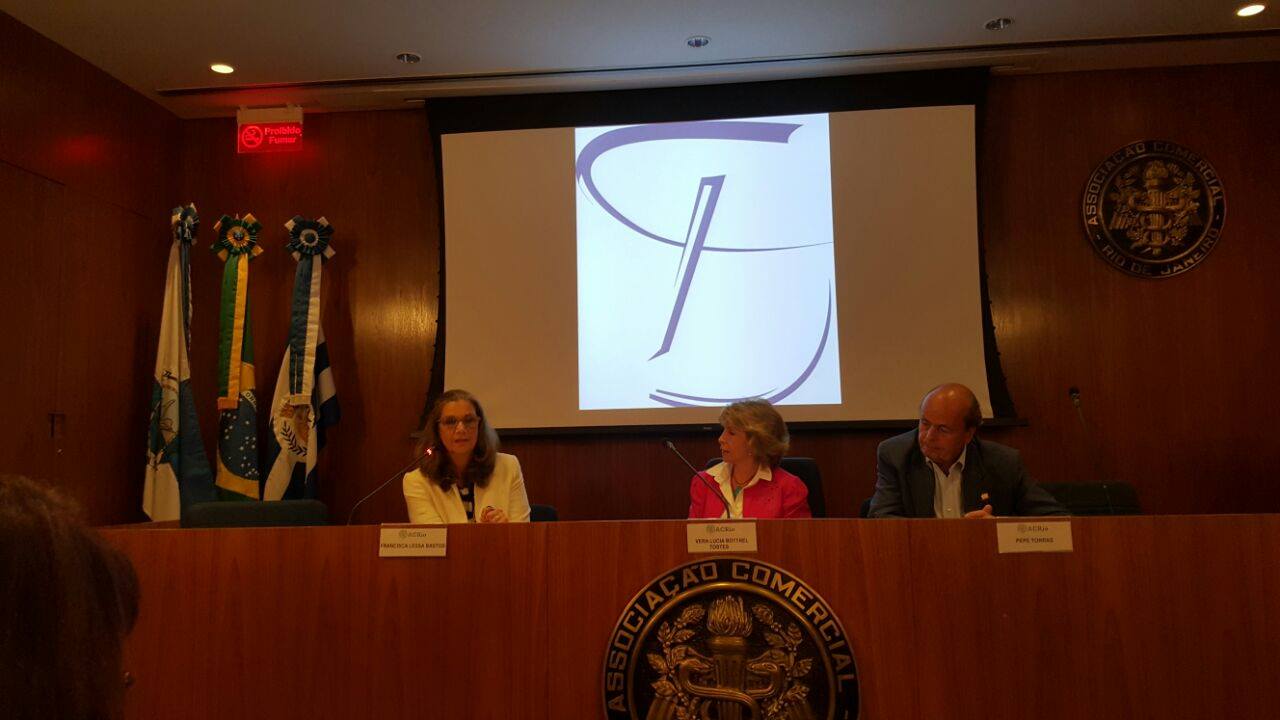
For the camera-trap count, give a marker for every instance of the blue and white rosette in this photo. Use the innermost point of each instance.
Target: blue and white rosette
(309, 245)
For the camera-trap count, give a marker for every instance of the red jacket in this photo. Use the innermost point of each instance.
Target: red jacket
(783, 496)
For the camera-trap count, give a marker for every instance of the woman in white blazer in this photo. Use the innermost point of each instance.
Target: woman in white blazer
(462, 477)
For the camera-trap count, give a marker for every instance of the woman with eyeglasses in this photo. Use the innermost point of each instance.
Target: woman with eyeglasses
(462, 478)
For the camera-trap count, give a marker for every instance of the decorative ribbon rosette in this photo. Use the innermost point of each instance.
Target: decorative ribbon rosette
(308, 241)
(237, 236)
(238, 476)
(237, 243)
(305, 401)
(185, 222)
(309, 237)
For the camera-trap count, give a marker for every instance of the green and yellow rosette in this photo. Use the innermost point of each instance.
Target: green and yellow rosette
(238, 476)
(236, 245)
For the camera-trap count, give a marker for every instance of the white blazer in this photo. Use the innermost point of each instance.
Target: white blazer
(430, 505)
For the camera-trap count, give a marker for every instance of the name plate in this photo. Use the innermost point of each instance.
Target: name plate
(412, 541)
(1034, 536)
(725, 536)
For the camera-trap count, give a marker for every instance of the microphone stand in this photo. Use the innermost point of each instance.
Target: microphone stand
(387, 482)
(1074, 394)
(728, 513)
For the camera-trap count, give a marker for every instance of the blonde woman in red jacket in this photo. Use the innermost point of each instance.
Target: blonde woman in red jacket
(749, 481)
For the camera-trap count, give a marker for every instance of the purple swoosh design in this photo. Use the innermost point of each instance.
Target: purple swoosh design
(693, 249)
(667, 397)
(747, 131)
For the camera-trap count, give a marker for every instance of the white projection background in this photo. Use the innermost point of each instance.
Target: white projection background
(650, 274)
(680, 228)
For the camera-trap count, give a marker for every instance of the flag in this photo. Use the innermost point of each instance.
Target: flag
(178, 471)
(305, 402)
(237, 477)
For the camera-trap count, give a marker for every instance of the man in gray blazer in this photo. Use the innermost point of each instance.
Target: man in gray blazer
(941, 469)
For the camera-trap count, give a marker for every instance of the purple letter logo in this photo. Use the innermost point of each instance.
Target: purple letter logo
(694, 245)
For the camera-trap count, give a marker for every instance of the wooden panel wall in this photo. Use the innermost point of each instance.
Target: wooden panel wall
(371, 176)
(86, 169)
(1176, 375)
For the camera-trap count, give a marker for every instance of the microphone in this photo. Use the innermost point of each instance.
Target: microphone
(728, 513)
(1073, 392)
(387, 482)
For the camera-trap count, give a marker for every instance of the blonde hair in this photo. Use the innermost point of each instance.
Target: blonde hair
(765, 429)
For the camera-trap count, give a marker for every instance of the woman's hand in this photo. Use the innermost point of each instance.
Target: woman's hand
(491, 514)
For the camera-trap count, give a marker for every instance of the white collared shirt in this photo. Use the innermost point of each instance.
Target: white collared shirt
(723, 474)
(948, 500)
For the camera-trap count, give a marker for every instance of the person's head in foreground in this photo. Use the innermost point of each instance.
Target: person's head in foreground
(67, 600)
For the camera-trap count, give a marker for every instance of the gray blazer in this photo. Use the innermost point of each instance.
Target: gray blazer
(905, 484)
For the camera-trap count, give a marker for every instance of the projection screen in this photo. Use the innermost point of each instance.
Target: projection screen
(649, 274)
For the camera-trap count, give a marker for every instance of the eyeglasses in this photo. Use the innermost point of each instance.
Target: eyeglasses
(469, 422)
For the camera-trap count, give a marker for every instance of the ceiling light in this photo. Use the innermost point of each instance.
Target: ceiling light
(999, 23)
(222, 68)
(1250, 10)
(409, 58)
(698, 41)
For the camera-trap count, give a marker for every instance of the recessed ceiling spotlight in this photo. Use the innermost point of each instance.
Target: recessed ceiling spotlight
(409, 58)
(1250, 10)
(222, 68)
(698, 41)
(998, 23)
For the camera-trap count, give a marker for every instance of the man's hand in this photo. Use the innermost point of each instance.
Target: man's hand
(983, 514)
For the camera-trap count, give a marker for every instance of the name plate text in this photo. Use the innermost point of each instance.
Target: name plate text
(735, 536)
(412, 541)
(1034, 536)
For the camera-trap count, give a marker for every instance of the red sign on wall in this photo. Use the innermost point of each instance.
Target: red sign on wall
(269, 137)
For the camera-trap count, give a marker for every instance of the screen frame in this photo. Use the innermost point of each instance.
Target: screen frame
(961, 86)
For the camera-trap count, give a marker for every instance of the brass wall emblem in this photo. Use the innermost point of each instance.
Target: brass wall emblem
(1154, 209)
(729, 639)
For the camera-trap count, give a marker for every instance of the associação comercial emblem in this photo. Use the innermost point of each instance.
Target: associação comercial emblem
(1154, 209)
(729, 639)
